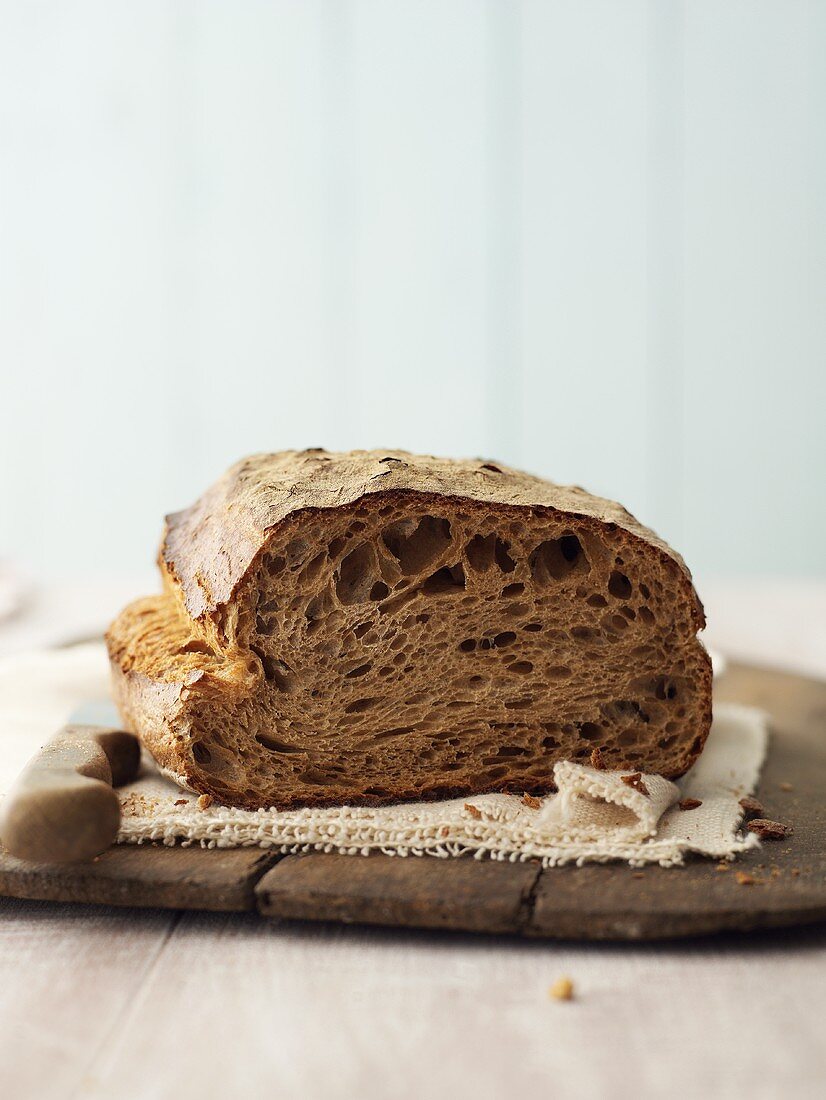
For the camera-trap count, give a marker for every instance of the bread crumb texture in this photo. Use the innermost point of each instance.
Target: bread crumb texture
(373, 627)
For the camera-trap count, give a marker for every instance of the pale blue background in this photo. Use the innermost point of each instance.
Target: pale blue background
(588, 238)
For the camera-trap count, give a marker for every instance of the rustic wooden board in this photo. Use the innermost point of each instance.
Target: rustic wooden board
(411, 892)
(145, 876)
(593, 902)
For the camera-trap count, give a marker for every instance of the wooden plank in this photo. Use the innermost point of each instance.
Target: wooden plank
(145, 876)
(463, 894)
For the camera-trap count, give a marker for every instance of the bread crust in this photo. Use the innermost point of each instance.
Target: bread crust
(210, 554)
(208, 548)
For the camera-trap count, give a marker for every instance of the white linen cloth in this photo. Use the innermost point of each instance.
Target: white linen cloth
(594, 816)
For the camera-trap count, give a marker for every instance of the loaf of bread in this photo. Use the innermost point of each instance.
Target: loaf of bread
(377, 626)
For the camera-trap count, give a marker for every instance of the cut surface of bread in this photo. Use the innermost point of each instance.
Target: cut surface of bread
(373, 627)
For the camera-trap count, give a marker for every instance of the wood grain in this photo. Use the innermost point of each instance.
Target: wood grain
(144, 876)
(462, 894)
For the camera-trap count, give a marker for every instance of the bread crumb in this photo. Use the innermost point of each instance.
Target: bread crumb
(795, 871)
(689, 803)
(723, 867)
(204, 801)
(745, 879)
(597, 761)
(562, 990)
(786, 786)
(474, 811)
(636, 781)
(181, 801)
(444, 831)
(529, 800)
(638, 874)
(751, 806)
(769, 830)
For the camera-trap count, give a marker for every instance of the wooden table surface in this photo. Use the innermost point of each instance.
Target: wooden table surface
(98, 1002)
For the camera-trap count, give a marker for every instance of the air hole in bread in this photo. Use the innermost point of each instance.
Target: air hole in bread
(274, 744)
(557, 559)
(558, 672)
(357, 574)
(335, 547)
(197, 646)
(619, 585)
(417, 544)
(479, 552)
(519, 704)
(201, 753)
(449, 580)
(358, 706)
(276, 671)
(513, 590)
(665, 688)
(274, 564)
(360, 670)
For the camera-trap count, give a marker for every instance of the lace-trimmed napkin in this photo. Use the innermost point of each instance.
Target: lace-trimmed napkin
(594, 816)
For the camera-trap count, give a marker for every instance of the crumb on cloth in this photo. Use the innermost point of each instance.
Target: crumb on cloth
(636, 782)
(689, 803)
(529, 800)
(474, 811)
(205, 801)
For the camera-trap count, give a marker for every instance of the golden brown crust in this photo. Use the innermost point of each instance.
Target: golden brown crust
(209, 547)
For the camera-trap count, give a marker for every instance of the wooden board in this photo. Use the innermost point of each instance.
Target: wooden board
(593, 902)
(145, 876)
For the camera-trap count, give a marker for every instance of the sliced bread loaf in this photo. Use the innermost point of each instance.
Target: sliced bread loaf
(376, 626)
